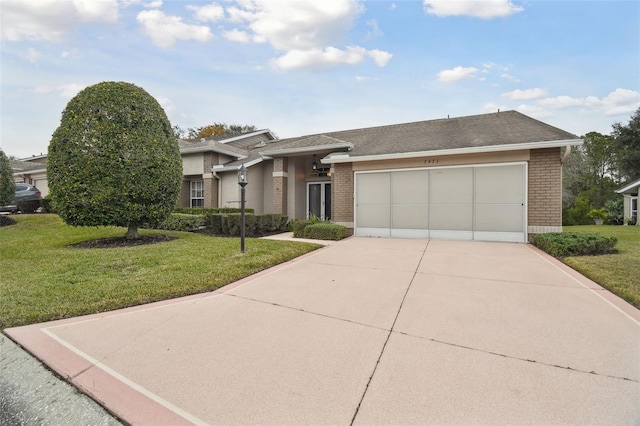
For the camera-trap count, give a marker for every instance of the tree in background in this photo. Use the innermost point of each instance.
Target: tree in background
(216, 129)
(7, 184)
(114, 159)
(589, 178)
(627, 140)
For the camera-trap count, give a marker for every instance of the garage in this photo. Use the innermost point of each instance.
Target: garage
(475, 202)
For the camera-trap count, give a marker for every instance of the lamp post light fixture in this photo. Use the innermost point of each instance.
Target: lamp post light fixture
(243, 180)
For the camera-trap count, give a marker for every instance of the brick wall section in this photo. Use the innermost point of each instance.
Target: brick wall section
(342, 193)
(209, 182)
(545, 188)
(280, 166)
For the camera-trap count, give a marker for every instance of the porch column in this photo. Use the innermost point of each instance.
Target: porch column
(342, 187)
(210, 183)
(280, 185)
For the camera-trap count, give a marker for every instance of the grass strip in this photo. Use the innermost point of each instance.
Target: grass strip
(43, 278)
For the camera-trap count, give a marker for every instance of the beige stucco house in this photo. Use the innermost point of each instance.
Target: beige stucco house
(485, 177)
(630, 194)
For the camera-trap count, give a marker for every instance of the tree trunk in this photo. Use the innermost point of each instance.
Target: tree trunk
(132, 232)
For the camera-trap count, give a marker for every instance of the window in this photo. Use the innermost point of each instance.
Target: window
(634, 207)
(197, 193)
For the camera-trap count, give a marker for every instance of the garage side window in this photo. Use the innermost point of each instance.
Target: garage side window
(197, 193)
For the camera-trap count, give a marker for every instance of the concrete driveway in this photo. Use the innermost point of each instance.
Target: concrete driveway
(367, 331)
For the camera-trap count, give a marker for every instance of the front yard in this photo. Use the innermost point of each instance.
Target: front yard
(42, 278)
(620, 272)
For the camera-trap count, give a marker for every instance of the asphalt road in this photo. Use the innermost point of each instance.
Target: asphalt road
(32, 395)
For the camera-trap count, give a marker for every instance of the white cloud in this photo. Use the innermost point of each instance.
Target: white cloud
(517, 95)
(619, 101)
(534, 111)
(510, 78)
(485, 9)
(51, 20)
(380, 57)
(307, 32)
(166, 104)
(209, 13)
(237, 35)
(70, 90)
(164, 30)
(457, 74)
(375, 29)
(361, 78)
(319, 58)
(32, 55)
(491, 107)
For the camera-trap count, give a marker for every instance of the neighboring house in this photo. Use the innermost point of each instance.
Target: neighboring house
(32, 170)
(630, 194)
(486, 177)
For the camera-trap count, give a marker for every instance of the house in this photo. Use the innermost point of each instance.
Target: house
(630, 194)
(495, 177)
(31, 170)
(485, 177)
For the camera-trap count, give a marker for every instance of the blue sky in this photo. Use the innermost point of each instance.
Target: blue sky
(300, 67)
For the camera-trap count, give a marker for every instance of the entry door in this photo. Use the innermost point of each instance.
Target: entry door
(319, 200)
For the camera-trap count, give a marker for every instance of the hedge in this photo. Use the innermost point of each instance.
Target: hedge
(255, 225)
(298, 227)
(182, 222)
(207, 211)
(325, 231)
(563, 244)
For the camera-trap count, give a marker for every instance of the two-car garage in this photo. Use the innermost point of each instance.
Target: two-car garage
(475, 202)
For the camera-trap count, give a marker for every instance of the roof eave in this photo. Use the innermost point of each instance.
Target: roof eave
(212, 149)
(628, 187)
(223, 168)
(346, 158)
(305, 149)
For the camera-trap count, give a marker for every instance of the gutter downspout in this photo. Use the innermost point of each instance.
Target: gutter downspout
(565, 156)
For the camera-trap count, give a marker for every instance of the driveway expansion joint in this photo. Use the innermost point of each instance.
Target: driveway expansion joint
(533, 361)
(390, 332)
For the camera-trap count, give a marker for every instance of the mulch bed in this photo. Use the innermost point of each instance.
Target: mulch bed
(118, 242)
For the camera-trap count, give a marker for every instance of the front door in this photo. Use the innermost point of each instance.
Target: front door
(319, 200)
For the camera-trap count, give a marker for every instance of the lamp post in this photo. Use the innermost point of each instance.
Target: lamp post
(243, 180)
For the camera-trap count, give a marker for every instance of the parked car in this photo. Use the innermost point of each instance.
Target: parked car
(24, 192)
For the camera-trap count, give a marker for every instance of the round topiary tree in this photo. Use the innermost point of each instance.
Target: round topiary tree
(114, 159)
(7, 184)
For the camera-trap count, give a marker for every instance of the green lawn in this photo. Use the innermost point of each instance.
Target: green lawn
(619, 272)
(42, 278)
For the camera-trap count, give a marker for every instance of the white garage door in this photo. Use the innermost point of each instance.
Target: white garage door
(469, 203)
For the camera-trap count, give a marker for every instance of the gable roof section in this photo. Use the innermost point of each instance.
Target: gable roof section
(306, 144)
(502, 131)
(630, 188)
(21, 166)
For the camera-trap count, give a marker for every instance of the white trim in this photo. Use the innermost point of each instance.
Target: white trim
(305, 149)
(372, 232)
(346, 158)
(409, 233)
(223, 168)
(628, 187)
(451, 235)
(509, 237)
(249, 135)
(212, 149)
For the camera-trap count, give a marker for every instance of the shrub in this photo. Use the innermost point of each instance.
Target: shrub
(298, 227)
(29, 206)
(182, 222)
(7, 184)
(325, 231)
(563, 244)
(114, 159)
(597, 214)
(255, 225)
(6, 221)
(47, 205)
